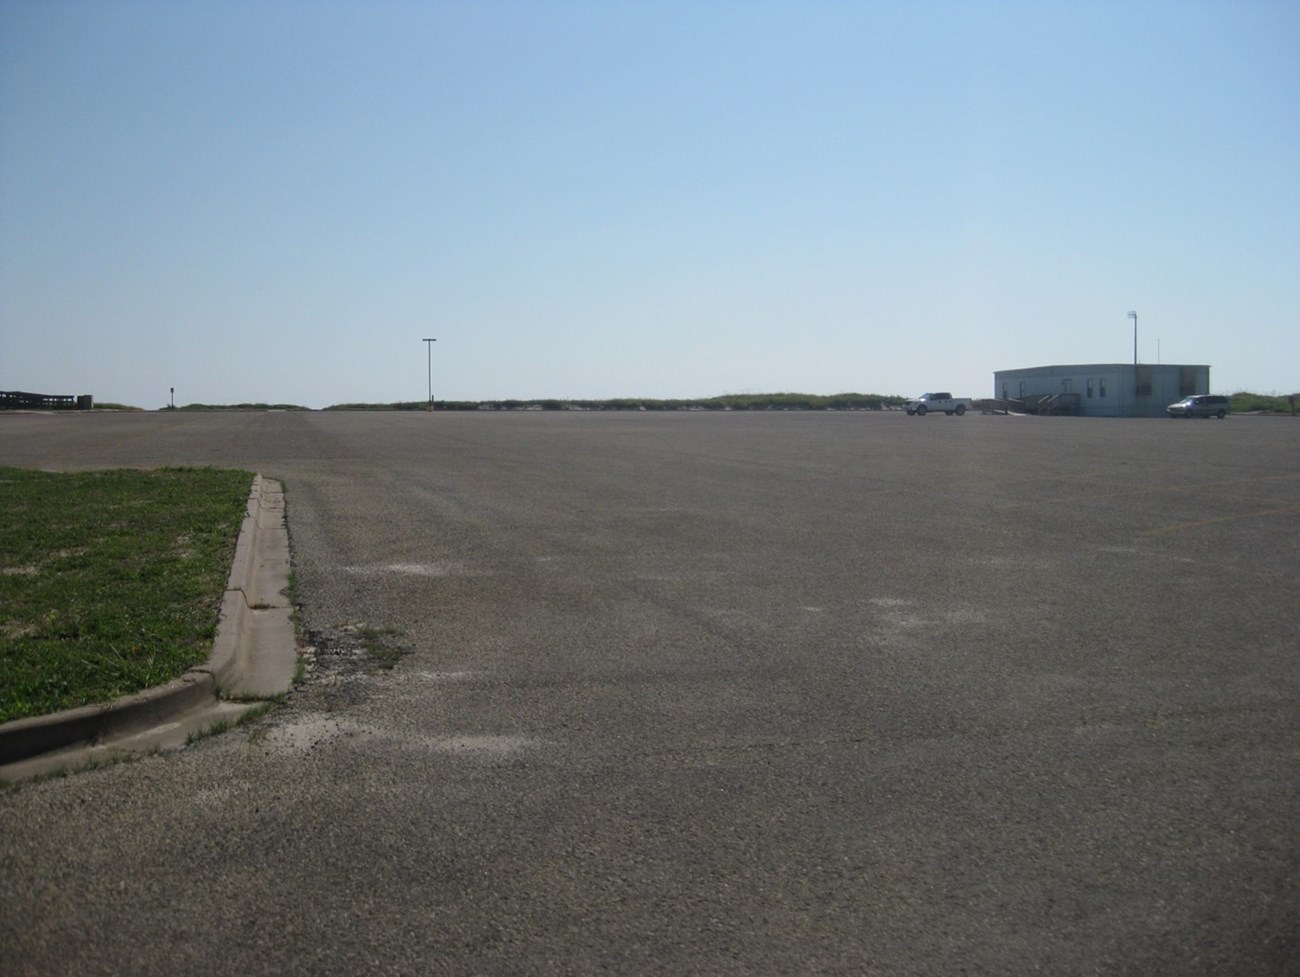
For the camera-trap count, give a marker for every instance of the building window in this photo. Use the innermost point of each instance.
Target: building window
(1090, 388)
(1101, 387)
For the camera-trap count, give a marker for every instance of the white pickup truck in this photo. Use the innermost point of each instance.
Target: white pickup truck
(945, 402)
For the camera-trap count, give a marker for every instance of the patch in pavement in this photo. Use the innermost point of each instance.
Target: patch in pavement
(462, 676)
(343, 662)
(352, 648)
(911, 620)
(309, 732)
(315, 730)
(442, 568)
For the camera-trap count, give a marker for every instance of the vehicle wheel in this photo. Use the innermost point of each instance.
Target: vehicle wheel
(910, 413)
(1222, 414)
(961, 409)
(920, 411)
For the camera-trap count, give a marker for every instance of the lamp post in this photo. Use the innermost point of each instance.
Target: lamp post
(1134, 317)
(428, 345)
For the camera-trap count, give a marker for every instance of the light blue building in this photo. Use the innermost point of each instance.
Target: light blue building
(1101, 389)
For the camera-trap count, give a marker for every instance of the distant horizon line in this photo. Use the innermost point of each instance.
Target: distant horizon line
(13, 401)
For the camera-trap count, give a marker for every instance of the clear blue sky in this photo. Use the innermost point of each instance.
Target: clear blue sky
(276, 201)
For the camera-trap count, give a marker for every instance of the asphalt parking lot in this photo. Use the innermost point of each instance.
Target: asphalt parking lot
(716, 693)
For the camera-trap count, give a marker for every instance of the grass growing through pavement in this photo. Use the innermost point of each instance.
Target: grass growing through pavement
(111, 581)
(378, 646)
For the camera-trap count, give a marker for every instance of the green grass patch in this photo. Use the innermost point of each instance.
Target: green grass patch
(110, 581)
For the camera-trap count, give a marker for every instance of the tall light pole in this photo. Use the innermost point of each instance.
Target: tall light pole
(428, 345)
(1134, 317)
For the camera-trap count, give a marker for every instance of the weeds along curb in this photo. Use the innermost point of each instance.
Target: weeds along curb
(254, 654)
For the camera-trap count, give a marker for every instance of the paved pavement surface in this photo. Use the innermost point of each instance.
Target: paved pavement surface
(720, 694)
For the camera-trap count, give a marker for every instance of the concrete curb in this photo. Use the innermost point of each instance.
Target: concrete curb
(253, 658)
(254, 655)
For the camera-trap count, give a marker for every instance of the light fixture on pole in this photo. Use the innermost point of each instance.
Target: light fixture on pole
(1134, 317)
(428, 345)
